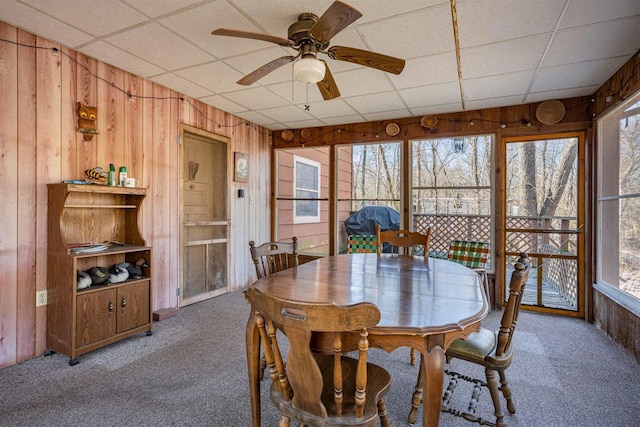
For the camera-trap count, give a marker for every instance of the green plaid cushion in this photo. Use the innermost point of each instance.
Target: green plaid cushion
(362, 244)
(469, 254)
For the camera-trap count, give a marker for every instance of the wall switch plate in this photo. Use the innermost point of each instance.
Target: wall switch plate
(41, 298)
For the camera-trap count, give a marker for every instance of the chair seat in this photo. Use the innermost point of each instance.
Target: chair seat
(378, 384)
(477, 346)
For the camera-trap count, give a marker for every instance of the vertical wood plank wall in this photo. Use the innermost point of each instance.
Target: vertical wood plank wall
(39, 144)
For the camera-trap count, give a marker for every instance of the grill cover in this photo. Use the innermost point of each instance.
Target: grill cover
(364, 221)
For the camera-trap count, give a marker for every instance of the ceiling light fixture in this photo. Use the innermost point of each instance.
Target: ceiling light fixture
(308, 69)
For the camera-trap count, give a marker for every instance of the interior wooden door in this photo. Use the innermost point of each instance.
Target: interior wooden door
(544, 210)
(205, 220)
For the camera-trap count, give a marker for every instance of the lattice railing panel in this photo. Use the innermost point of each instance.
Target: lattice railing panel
(446, 228)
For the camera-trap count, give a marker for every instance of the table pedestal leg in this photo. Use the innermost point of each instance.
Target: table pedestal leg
(429, 384)
(253, 367)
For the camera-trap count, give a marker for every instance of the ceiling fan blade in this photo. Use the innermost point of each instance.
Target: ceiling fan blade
(328, 87)
(368, 59)
(253, 36)
(333, 20)
(264, 70)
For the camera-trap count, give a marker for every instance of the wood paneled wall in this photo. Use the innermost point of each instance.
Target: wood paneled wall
(39, 144)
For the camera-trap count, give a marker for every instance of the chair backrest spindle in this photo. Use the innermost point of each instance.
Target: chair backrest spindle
(272, 257)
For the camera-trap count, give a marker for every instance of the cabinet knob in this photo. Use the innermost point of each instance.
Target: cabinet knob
(110, 306)
(123, 302)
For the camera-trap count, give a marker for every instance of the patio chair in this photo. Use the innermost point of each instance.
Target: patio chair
(409, 241)
(272, 257)
(491, 349)
(314, 389)
(362, 244)
(474, 255)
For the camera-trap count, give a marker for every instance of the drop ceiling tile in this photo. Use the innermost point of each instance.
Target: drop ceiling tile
(497, 86)
(258, 98)
(155, 8)
(118, 58)
(181, 85)
(222, 103)
(425, 32)
(503, 57)
(301, 124)
(254, 117)
(197, 24)
(352, 83)
(332, 121)
(387, 101)
(437, 109)
(585, 12)
(427, 70)
(217, 76)
(489, 21)
(444, 93)
(387, 115)
(43, 25)
(594, 42)
(98, 18)
(285, 113)
(580, 74)
(494, 102)
(379, 10)
(560, 94)
(297, 92)
(332, 108)
(151, 42)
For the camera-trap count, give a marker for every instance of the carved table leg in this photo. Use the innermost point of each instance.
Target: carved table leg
(430, 385)
(253, 367)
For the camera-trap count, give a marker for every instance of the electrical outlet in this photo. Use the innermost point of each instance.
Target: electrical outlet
(41, 298)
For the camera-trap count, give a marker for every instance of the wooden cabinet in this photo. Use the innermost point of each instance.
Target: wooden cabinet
(81, 320)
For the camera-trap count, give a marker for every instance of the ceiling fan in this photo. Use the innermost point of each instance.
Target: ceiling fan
(309, 36)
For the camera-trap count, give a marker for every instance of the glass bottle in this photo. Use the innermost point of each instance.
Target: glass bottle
(111, 180)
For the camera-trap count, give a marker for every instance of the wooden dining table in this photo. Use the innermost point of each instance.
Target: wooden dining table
(425, 303)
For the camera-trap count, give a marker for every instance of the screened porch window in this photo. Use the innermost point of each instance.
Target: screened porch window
(618, 248)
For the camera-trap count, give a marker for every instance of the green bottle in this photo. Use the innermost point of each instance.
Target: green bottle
(112, 175)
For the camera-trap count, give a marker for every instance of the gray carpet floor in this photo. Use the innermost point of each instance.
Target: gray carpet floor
(192, 372)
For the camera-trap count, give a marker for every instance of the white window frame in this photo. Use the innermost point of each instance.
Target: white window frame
(607, 226)
(309, 218)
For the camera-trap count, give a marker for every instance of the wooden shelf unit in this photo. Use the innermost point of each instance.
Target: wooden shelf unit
(79, 321)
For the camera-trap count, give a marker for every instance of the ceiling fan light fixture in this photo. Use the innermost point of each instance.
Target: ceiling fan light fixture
(309, 69)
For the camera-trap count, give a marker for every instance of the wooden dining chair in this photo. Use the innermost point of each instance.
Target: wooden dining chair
(491, 349)
(272, 257)
(314, 389)
(474, 255)
(362, 244)
(411, 242)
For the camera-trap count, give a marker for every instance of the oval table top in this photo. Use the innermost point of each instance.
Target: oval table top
(423, 295)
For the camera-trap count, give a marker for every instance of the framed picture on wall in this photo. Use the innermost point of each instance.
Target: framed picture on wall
(241, 167)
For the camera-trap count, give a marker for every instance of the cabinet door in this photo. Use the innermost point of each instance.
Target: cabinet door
(133, 306)
(95, 316)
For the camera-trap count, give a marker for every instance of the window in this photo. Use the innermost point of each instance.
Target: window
(307, 188)
(618, 204)
(451, 190)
